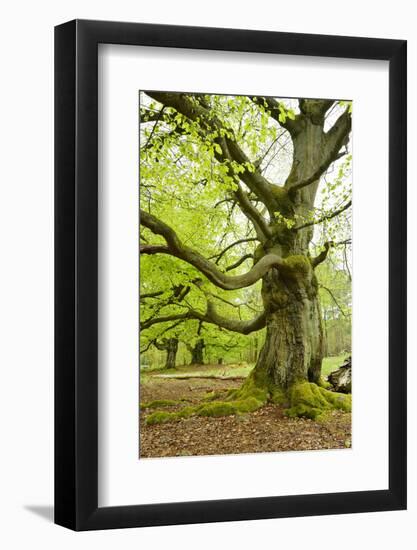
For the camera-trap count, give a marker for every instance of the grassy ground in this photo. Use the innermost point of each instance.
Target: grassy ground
(332, 363)
(329, 365)
(267, 429)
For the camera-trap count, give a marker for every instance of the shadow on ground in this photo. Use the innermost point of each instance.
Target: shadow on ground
(45, 512)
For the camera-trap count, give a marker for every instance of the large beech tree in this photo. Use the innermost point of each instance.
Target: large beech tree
(228, 194)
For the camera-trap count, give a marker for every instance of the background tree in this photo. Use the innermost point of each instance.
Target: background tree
(228, 209)
(170, 346)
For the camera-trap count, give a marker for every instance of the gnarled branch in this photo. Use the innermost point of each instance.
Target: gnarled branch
(323, 254)
(179, 250)
(239, 262)
(212, 317)
(253, 214)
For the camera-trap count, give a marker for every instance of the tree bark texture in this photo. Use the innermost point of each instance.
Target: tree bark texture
(294, 343)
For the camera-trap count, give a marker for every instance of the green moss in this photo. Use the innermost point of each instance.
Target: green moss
(254, 386)
(323, 383)
(296, 264)
(304, 411)
(226, 408)
(158, 417)
(278, 397)
(211, 396)
(186, 412)
(215, 408)
(340, 400)
(284, 203)
(160, 403)
(311, 401)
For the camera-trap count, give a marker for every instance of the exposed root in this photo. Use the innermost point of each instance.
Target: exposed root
(216, 394)
(162, 403)
(214, 408)
(249, 390)
(304, 399)
(246, 399)
(312, 401)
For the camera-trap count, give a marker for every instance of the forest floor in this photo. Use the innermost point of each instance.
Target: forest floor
(265, 430)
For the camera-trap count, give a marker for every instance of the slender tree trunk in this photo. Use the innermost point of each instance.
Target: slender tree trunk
(197, 353)
(170, 345)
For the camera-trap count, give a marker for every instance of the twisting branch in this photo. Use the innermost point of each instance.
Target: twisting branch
(153, 249)
(253, 214)
(179, 250)
(223, 252)
(323, 255)
(239, 262)
(212, 317)
(324, 218)
(145, 349)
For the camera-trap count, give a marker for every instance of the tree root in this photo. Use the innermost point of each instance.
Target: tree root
(162, 403)
(248, 398)
(311, 401)
(304, 399)
(213, 408)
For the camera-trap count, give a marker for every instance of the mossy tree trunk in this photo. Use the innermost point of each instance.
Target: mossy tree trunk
(294, 344)
(293, 349)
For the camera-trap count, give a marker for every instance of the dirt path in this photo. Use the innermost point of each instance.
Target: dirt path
(265, 430)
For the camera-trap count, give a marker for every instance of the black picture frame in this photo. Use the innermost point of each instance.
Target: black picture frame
(76, 272)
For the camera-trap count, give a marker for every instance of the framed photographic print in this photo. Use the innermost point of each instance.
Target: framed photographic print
(230, 275)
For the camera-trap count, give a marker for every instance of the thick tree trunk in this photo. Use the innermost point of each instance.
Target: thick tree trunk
(197, 353)
(171, 349)
(293, 349)
(294, 344)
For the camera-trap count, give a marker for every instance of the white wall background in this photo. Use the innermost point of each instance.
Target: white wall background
(26, 286)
